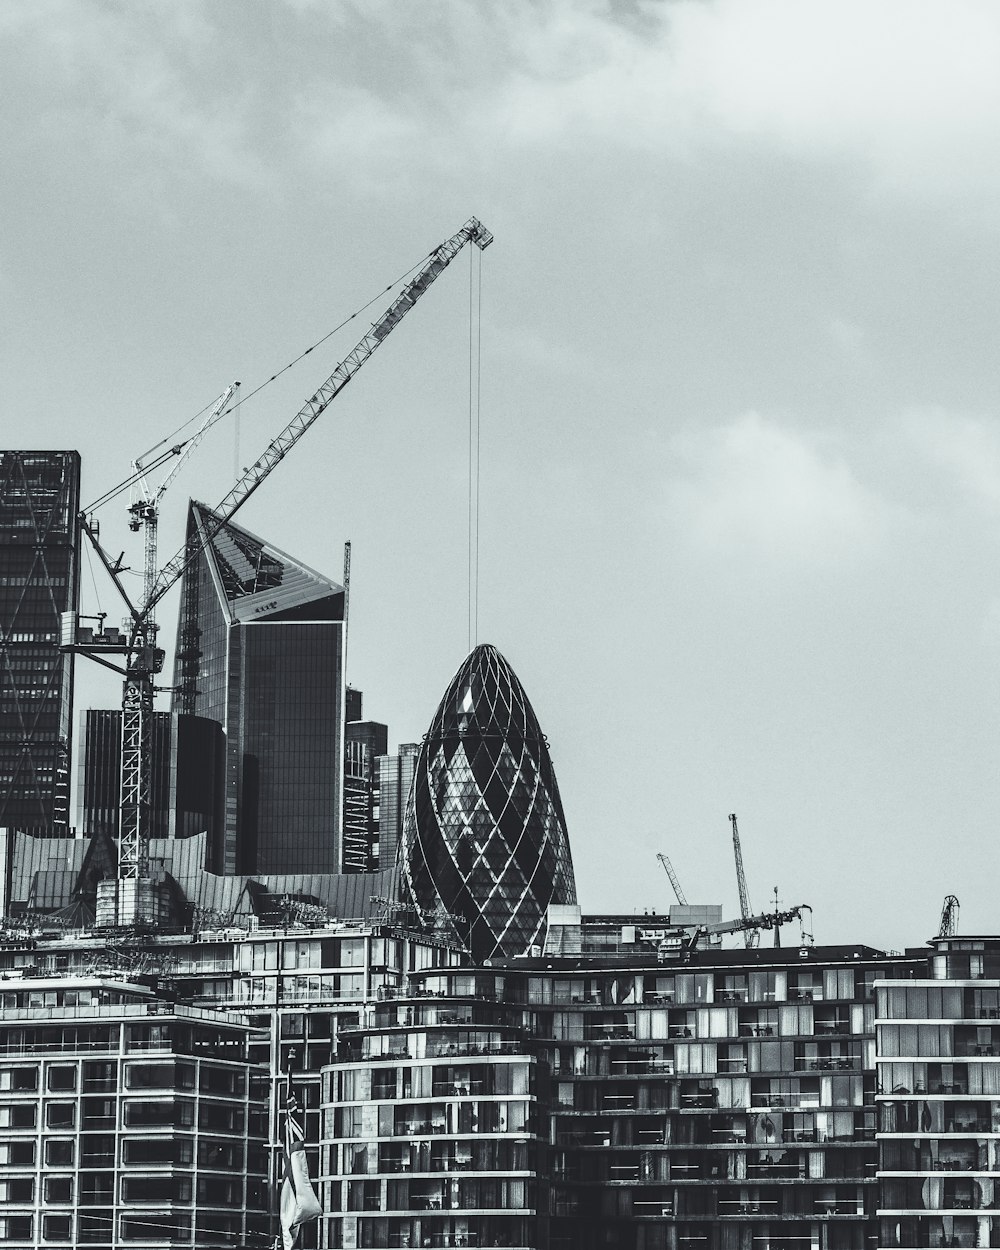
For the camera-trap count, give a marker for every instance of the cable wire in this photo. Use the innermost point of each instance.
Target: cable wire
(479, 388)
(470, 527)
(124, 485)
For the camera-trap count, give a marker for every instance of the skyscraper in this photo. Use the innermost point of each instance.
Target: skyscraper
(395, 778)
(484, 835)
(260, 650)
(39, 502)
(186, 781)
(364, 742)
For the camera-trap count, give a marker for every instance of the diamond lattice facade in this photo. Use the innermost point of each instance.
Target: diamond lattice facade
(484, 835)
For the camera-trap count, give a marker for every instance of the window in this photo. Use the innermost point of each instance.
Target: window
(57, 1227)
(60, 1115)
(159, 1114)
(220, 1119)
(18, 1080)
(151, 1150)
(17, 1154)
(58, 1189)
(62, 1078)
(18, 1115)
(220, 1154)
(20, 1190)
(59, 1154)
(98, 1113)
(100, 1077)
(156, 1226)
(150, 1076)
(156, 1189)
(16, 1227)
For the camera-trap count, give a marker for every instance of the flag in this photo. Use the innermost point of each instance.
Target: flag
(299, 1203)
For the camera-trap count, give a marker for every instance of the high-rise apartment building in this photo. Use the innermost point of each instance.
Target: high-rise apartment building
(39, 503)
(188, 765)
(260, 650)
(127, 1121)
(939, 1099)
(636, 1094)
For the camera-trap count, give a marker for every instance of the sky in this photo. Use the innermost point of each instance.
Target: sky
(739, 495)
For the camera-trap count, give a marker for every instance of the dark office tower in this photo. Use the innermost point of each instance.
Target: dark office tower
(364, 742)
(484, 834)
(260, 650)
(186, 783)
(39, 502)
(352, 704)
(395, 778)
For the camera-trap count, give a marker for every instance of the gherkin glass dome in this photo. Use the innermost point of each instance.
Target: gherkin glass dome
(484, 835)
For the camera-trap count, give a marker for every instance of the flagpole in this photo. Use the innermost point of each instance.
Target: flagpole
(297, 1203)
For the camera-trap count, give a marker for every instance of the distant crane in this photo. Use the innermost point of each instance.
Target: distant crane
(763, 920)
(133, 896)
(668, 868)
(751, 933)
(949, 917)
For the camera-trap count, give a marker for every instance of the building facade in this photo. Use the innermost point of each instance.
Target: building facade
(395, 779)
(631, 1095)
(939, 1099)
(365, 741)
(260, 651)
(725, 1102)
(39, 503)
(166, 1105)
(125, 1121)
(188, 766)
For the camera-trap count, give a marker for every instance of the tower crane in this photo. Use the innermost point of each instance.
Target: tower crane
(144, 510)
(668, 868)
(751, 933)
(132, 898)
(949, 917)
(763, 920)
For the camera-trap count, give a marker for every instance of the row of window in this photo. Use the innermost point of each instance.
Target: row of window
(99, 1152)
(102, 1113)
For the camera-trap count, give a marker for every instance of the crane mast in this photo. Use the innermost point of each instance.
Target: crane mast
(132, 898)
(751, 933)
(144, 510)
(668, 868)
(949, 917)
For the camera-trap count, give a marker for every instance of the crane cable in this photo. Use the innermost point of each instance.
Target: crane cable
(124, 485)
(475, 393)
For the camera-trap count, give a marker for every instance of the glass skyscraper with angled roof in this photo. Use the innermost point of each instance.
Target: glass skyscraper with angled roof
(260, 646)
(484, 836)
